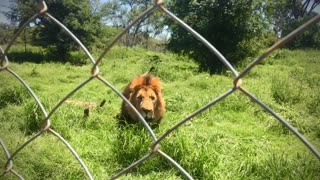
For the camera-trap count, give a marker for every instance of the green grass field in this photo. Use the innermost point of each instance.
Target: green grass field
(234, 139)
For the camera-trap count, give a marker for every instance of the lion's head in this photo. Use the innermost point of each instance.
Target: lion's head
(144, 93)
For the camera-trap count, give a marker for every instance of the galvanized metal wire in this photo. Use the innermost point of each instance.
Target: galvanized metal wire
(155, 146)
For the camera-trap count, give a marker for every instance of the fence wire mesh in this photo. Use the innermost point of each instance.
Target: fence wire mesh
(154, 147)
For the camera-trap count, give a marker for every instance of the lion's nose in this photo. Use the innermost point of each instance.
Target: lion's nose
(147, 111)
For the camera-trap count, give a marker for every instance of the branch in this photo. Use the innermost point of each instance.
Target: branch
(295, 11)
(314, 5)
(305, 7)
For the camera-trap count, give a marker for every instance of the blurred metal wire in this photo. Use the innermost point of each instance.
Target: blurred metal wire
(155, 146)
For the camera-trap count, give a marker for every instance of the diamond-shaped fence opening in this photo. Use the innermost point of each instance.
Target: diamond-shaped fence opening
(155, 149)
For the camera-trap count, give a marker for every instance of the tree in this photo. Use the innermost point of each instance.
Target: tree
(301, 8)
(287, 15)
(120, 13)
(6, 32)
(77, 16)
(232, 26)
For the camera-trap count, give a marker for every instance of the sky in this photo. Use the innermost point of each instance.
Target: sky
(4, 4)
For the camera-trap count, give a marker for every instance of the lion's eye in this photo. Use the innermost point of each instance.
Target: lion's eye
(140, 98)
(152, 98)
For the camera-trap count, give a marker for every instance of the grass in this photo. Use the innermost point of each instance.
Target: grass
(235, 139)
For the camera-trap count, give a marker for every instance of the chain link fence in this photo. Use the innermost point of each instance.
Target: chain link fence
(155, 146)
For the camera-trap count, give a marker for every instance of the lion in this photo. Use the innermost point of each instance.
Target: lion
(144, 93)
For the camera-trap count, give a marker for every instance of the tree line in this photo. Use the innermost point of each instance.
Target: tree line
(237, 28)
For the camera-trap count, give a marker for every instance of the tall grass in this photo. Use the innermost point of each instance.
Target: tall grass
(235, 139)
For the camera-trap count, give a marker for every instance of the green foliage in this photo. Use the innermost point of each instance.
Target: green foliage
(77, 16)
(231, 26)
(308, 39)
(234, 139)
(33, 118)
(38, 54)
(292, 90)
(20, 56)
(131, 145)
(284, 90)
(12, 95)
(120, 13)
(107, 35)
(299, 163)
(5, 32)
(314, 104)
(288, 15)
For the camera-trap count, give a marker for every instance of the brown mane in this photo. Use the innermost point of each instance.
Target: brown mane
(150, 102)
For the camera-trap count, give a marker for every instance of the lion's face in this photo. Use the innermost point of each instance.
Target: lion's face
(144, 93)
(144, 101)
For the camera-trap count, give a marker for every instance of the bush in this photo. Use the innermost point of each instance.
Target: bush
(308, 39)
(231, 26)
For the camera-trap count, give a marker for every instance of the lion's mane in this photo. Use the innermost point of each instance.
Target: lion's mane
(148, 88)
